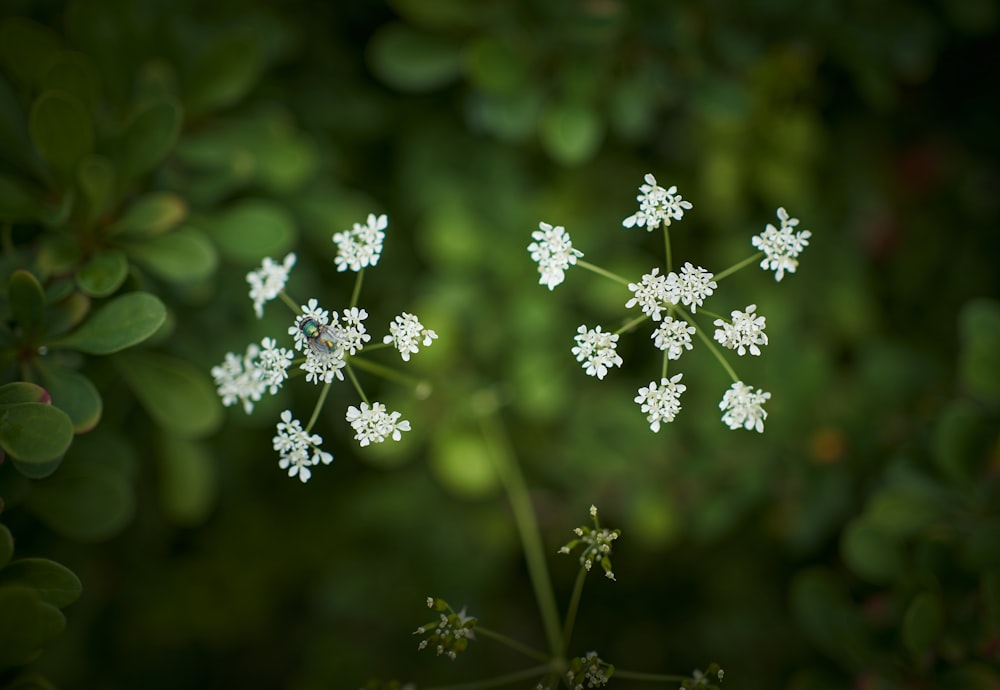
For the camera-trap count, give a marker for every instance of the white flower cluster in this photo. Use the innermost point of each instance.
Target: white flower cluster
(323, 349)
(406, 333)
(589, 671)
(553, 251)
(656, 205)
(361, 246)
(268, 281)
(373, 424)
(245, 379)
(672, 300)
(782, 246)
(298, 450)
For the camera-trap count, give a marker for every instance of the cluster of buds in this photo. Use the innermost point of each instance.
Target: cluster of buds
(588, 671)
(596, 542)
(450, 634)
(708, 679)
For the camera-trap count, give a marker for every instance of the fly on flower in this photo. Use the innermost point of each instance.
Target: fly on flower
(321, 339)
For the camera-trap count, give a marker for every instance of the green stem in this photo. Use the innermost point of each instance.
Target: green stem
(388, 373)
(514, 485)
(355, 383)
(574, 606)
(601, 272)
(512, 643)
(499, 681)
(319, 406)
(639, 675)
(357, 288)
(711, 346)
(735, 267)
(632, 324)
(666, 240)
(290, 302)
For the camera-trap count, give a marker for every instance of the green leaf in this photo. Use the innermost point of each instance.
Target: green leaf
(224, 74)
(58, 254)
(922, 624)
(74, 394)
(24, 47)
(571, 133)
(148, 137)
(62, 130)
(979, 362)
(34, 432)
(17, 201)
(67, 313)
(149, 215)
(96, 179)
(85, 500)
(32, 682)
(902, 512)
(6, 546)
(183, 256)
(187, 480)
(870, 553)
(27, 623)
(70, 72)
(252, 229)
(123, 322)
(55, 584)
(22, 392)
(103, 274)
(27, 299)
(411, 60)
(177, 395)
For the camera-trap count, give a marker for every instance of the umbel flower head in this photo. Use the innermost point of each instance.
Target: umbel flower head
(781, 246)
(596, 543)
(297, 449)
(450, 633)
(661, 402)
(589, 671)
(361, 246)
(553, 251)
(656, 205)
(373, 424)
(406, 333)
(268, 281)
(245, 379)
(596, 349)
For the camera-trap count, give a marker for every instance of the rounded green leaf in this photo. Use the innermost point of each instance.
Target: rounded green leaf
(96, 179)
(121, 323)
(18, 202)
(24, 47)
(571, 133)
(922, 624)
(22, 392)
(6, 546)
(103, 274)
(62, 130)
(251, 229)
(901, 512)
(148, 137)
(71, 72)
(183, 256)
(85, 500)
(27, 299)
(54, 583)
(225, 73)
(177, 395)
(152, 214)
(27, 623)
(411, 60)
(870, 553)
(74, 394)
(67, 313)
(187, 480)
(34, 432)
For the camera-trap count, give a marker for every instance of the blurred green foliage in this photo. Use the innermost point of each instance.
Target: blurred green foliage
(151, 153)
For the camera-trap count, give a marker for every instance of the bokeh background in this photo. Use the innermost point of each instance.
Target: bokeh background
(856, 543)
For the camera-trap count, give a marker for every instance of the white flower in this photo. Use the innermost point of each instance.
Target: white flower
(322, 363)
(298, 450)
(553, 251)
(373, 424)
(743, 407)
(656, 205)
(268, 281)
(745, 332)
(405, 332)
(273, 364)
(596, 349)
(353, 335)
(781, 247)
(694, 284)
(661, 402)
(653, 293)
(239, 379)
(673, 336)
(361, 246)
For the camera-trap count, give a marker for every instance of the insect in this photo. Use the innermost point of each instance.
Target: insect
(321, 339)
